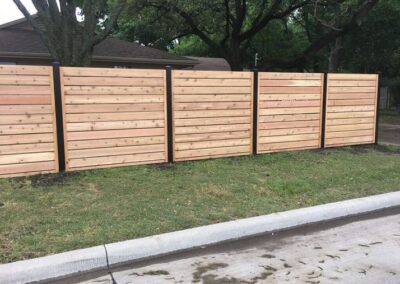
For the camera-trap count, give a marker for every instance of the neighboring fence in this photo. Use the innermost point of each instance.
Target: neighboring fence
(290, 111)
(351, 109)
(115, 117)
(212, 114)
(27, 140)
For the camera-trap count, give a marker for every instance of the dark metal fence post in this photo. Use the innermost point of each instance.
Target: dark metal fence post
(170, 130)
(324, 102)
(378, 98)
(255, 111)
(59, 116)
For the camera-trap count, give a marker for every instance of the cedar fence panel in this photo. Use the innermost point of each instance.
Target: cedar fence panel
(351, 110)
(289, 111)
(113, 117)
(27, 126)
(212, 114)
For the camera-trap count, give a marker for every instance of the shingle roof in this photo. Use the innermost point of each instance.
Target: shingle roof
(21, 39)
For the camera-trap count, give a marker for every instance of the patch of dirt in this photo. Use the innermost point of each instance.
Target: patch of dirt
(198, 274)
(41, 180)
(156, 272)
(215, 191)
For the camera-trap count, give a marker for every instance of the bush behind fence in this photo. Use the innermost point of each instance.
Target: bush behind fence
(114, 117)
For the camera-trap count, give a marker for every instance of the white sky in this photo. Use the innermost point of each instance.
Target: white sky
(9, 12)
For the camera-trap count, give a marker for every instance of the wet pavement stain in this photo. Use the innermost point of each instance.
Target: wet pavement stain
(198, 274)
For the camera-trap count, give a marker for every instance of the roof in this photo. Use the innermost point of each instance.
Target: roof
(18, 39)
(209, 63)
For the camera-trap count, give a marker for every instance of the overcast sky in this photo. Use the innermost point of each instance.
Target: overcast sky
(9, 12)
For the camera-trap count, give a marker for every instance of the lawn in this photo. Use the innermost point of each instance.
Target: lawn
(48, 214)
(389, 117)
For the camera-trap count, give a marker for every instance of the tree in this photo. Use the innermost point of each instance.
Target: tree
(69, 40)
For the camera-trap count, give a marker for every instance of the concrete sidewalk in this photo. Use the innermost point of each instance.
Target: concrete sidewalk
(365, 251)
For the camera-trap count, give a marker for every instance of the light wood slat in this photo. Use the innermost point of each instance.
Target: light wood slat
(354, 83)
(351, 102)
(26, 158)
(290, 124)
(25, 100)
(288, 117)
(289, 76)
(211, 106)
(369, 77)
(290, 83)
(25, 128)
(350, 108)
(350, 121)
(105, 134)
(211, 121)
(301, 110)
(355, 133)
(96, 162)
(113, 81)
(201, 82)
(289, 97)
(106, 152)
(24, 80)
(112, 72)
(295, 145)
(212, 152)
(212, 90)
(350, 114)
(210, 74)
(290, 131)
(277, 104)
(212, 128)
(211, 113)
(212, 144)
(212, 156)
(96, 90)
(24, 70)
(290, 90)
(26, 119)
(26, 148)
(24, 90)
(350, 140)
(211, 98)
(351, 96)
(114, 108)
(119, 165)
(24, 109)
(25, 169)
(109, 125)
(115, 142)
(351, 89)
(125, 116)
(116, 99)
(212, 136)
(331, 128)
(26, 138)
(289, 138)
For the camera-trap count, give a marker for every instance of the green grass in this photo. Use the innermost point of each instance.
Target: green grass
(49, 214)
(389, 117)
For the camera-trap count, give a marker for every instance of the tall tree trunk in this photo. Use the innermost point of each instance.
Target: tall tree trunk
(334, 55)
(234, 55)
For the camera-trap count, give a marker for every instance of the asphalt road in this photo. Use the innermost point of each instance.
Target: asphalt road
(358, 250)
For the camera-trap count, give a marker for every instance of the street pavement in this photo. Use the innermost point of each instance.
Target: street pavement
(389, 134)
(358, 251)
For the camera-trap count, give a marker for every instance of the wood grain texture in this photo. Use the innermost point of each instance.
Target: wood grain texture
(27, 130)
(289, 116)
(351, 109)
(212, 114)
(114, 117)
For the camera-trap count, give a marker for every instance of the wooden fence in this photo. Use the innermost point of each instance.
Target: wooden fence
(27, 124)
(115, 117)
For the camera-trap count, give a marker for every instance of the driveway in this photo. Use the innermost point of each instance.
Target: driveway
(389, 134)
(362, 251)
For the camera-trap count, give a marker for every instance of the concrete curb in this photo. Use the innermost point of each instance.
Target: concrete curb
(84, 260)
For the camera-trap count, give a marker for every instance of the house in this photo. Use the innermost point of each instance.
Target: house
(20, 44)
